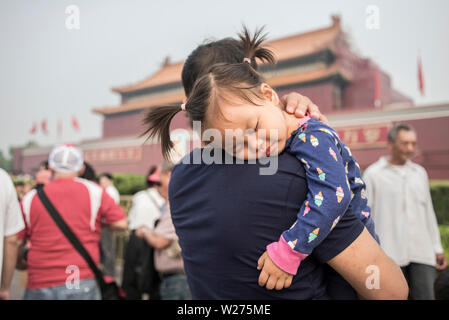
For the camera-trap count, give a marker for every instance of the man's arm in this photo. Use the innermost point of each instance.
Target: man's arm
(11, 245)
(152, 238)
(370, 271)
(119, 225)
(114, 216)
(432, 225)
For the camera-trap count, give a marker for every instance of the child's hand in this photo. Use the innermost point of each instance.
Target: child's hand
(271, 276)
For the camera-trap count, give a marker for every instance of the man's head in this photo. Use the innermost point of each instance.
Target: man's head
(88, 172)
(164, 173)
(106, 180)
(402, 142)
(20, 189)
(66, 160)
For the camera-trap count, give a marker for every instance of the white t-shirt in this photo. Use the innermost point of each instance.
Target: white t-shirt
(146, 208)
(11, 220)
(402, 210)
(113, 193)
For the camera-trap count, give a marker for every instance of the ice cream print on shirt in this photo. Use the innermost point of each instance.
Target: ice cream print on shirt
(334, 183)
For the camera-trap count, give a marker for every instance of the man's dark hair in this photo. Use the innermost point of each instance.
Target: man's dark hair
(107, 175)
(19, 183)
(44, 164)
(394, 131)
(89, 173)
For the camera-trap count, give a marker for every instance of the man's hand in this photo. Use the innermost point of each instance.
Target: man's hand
(441, 262)
(140, 232)
(4, 294)
(299, 105)
(271, 276)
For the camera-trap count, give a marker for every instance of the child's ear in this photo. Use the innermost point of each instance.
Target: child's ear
(269, 93)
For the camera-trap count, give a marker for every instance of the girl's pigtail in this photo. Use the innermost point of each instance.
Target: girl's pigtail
(252, 46)
(158, 120)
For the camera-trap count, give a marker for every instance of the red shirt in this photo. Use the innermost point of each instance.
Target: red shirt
(83, 205)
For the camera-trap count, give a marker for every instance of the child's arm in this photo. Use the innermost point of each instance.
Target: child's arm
(327, 200)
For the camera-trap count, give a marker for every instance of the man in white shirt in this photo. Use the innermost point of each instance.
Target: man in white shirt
(401, 206)
(11, 222)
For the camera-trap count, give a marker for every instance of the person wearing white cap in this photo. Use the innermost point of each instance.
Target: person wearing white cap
(56, 271)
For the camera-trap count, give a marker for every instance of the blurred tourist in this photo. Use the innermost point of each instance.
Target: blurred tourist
(20, 189)
(399, 196)
(11, 222)
(107, 245)
(167, 256)
(52, 260)
(139, 275)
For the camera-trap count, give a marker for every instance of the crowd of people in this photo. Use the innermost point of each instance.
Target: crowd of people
(153, 261)
(311, 230)
(89, 204)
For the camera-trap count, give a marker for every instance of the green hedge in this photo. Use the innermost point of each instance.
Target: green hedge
(439, 190)
(444, 233)
(128, 184)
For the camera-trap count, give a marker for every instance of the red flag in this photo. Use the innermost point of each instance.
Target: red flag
(34, 128)
(420, 76)
(377, 88)
(59, 128)
(75, 124)
(44, 126)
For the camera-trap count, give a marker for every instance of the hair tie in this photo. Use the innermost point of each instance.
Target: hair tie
(183, 107)
(247, 60)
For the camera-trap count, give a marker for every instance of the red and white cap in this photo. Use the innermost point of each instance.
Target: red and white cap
(66, 158)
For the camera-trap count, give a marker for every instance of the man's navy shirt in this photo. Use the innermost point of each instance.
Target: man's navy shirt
(226, 214)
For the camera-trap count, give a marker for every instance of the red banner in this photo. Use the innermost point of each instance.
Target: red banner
(370, 136)
(120, 154)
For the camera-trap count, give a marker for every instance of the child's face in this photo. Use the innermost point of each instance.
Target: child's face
(252, 131)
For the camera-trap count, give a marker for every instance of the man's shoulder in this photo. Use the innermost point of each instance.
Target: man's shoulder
(140, 194)
(375, 167)
(419, 169)
(3, 175)
(87, 183)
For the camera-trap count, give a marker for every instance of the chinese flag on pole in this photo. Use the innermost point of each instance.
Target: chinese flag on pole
(59, 129)
(75, 124)
(377, 88)
(44, 126)
(420, 76)
(33, 128)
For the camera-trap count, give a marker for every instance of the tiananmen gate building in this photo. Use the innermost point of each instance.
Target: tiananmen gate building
(356, 95)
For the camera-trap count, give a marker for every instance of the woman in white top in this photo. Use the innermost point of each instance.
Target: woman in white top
(139, 274)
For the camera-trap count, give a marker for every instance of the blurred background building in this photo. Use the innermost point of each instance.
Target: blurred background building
(356, 94)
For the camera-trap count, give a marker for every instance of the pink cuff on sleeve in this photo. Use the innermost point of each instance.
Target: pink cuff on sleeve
(284, 256)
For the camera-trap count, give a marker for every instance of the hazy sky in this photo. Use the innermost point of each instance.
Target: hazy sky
(49, 71)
